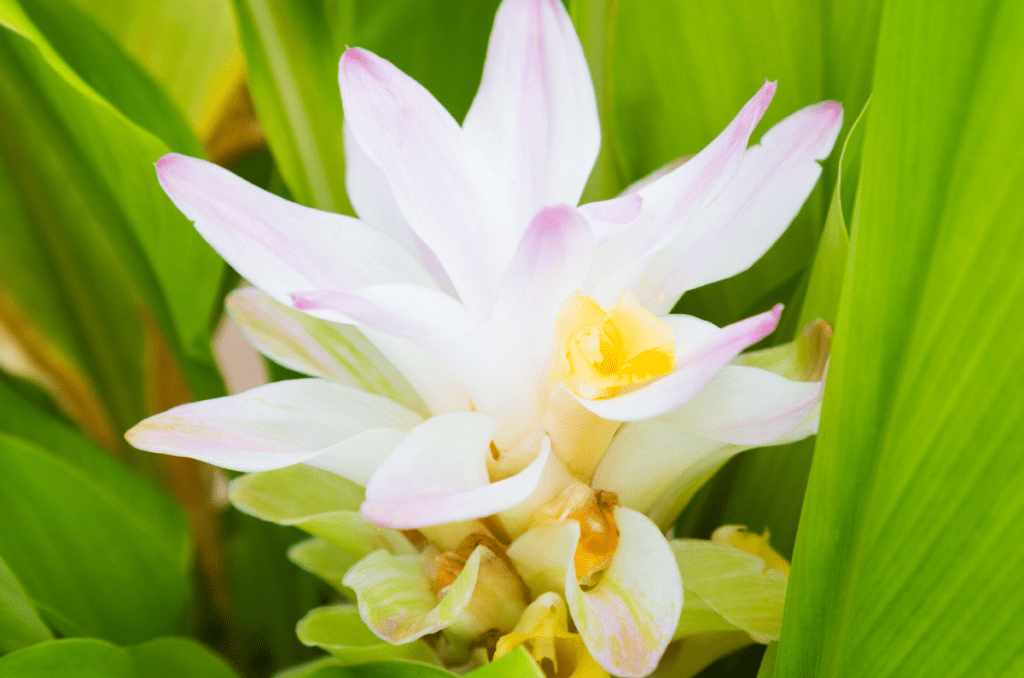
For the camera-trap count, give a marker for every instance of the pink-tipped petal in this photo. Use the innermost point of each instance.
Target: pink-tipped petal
(749, 406)
(550, 264)
(773, 182)
(374, 203)
(608, 218)
(701, 351)
(629, 617)
(271, 426)
(445, 190)
(438, 474)
(280, 246)
(400, 310)
(535, 115)
(671, 200)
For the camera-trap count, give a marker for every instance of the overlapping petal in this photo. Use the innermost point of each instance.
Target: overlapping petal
(317, 347)
(671, 455)
(271, 426)
(492, 364)
(773, 182)
(447, 193)
(701, 350)
(438, 474)
(370, 193)
(626, 619)
(534, 117)
(550, 264)
(670, 201)
(279, 246)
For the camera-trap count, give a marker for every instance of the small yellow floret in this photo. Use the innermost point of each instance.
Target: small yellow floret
(605, 351)
(544, 630)
(740, 537)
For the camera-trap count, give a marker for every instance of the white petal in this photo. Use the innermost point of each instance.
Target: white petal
(359, 456)
(493, 366)
(446, 191)
(317, 347)
(629, 617)
(550, 265)
(647, 457)
(749, 406)
(701, 351)
(608, 218)
(371, 197)
(670, 201)
(280, 246)
(435, 383)
(268, 427)
(535, 115)
(438, 474)
(773, 182)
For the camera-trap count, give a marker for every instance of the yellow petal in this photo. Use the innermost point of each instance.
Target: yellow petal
(740, 537)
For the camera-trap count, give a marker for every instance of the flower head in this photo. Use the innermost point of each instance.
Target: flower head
(512, 384)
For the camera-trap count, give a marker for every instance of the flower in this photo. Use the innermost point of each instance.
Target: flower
(512, 385)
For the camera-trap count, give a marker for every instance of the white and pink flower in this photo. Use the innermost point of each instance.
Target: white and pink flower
(483, 347)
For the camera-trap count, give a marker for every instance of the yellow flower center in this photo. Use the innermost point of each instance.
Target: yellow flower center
(605, 351)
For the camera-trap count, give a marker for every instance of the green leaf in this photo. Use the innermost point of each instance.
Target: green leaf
(91, 267)
(517, 663)
(177, 658)
(101, 62)
(439, 43)
(268, 594)
(89, 658)
(293, 78)
(20, 625)
(339, 630)
(90, 564)
(908, 557)
(188, 46)
(152, 510)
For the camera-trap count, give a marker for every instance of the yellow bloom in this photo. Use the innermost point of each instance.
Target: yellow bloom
(607, 350)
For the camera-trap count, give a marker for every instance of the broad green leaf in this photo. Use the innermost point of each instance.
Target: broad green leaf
(168, 657)
(908, 556)
(91, 565)
(20, 625)
(293, 78)
(189, 46)
(339, 630)
(101, 62)
(269, 594)
(172, 657)
(93, 252)
(151, 509)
